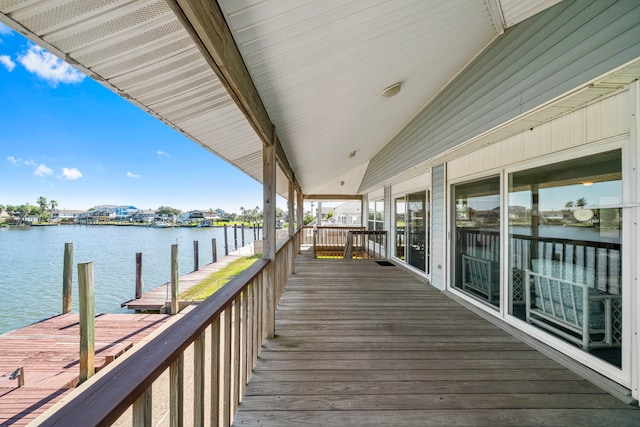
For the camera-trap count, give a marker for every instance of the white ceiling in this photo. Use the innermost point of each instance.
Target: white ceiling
(319, 67)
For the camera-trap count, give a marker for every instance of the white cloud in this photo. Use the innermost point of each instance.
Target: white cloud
(14, 160)
(161, 153)
(43, 170)
(49, 67)
(132, 175)
(7, 62)
(29, 163)
(71, 173)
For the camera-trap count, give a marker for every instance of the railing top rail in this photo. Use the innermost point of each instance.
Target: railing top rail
(104, 400)
(381, 232)
(334, 227)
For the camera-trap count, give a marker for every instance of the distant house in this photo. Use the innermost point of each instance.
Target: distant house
(191, 217)
(66, 215)
(143, 215)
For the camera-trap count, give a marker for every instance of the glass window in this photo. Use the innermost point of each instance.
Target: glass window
(376, 215)
(565, 261)
(476, 260)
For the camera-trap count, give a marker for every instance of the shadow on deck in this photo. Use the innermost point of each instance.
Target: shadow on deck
(359, 343)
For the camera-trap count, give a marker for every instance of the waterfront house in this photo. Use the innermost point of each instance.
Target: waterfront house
(496, 144)
(66, 215)
(143, 215)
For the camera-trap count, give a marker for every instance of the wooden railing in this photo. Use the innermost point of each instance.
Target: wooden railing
(327, 240)
(231, 326)
(366, 244)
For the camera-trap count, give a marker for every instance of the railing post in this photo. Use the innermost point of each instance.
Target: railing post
(176, 391)
(138, 274)
(67, 279)
(142, 409)
(87, 320)
(174, 280)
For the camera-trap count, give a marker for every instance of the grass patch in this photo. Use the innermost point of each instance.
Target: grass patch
(218, 279)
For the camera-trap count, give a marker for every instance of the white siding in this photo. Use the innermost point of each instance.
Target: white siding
(605, 119)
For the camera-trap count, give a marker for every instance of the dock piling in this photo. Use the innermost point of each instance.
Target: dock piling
(138, 275)
(87, 320)
(214, 250)
(235, 236)
(196, 265)
(226, 241)
(67, 278)
(174, 279)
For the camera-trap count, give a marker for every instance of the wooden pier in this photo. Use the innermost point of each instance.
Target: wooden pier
(157, 300)
(48, 353)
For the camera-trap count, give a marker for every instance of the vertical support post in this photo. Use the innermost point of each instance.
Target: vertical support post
(269, 231)
(290, 208)
(235, 236)
(87, 320)
(174, 280)
(67, 279)
(214, 250)
(242, 234)
(196, 256)
(226, 241)
(319, 214)
(138, 274)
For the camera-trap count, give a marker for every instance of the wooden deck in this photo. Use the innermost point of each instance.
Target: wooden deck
(48, 351)
(363, 344)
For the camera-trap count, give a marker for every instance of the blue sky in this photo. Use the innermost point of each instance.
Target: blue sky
(67, 138)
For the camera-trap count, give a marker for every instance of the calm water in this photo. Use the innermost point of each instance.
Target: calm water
(31, 262)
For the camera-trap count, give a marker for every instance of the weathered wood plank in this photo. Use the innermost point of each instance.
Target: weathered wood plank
(437, 418)
(360, 344)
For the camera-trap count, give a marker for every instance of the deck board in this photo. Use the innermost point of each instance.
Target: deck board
(361, 344)
(48, 351)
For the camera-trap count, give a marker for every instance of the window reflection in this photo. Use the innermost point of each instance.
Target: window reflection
(565, 223)
(477, 239)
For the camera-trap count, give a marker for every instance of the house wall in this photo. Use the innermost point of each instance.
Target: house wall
(438, 227)
(597, 122)
(532, 63)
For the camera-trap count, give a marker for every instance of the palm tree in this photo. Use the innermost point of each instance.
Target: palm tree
(53, 205)
(42, 204)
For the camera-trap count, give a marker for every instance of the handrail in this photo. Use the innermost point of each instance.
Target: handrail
(128, 380)
(246, 304)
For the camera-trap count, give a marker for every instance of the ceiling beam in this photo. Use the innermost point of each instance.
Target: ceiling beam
(204, 20)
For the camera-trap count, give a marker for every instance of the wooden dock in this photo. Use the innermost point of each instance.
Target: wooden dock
(48, 352)
(157, 300)
(361, 344)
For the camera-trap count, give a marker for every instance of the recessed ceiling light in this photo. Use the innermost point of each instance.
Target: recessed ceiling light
(392, 90)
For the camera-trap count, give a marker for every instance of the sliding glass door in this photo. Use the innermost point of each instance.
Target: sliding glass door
(412, 229)
(476, 258)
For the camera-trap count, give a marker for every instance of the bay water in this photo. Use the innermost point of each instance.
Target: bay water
(32, 258)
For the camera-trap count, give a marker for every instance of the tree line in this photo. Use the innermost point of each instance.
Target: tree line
(43, 209)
